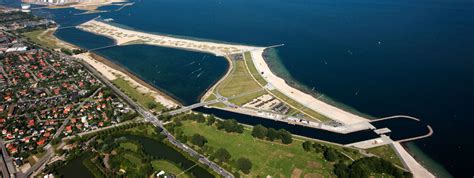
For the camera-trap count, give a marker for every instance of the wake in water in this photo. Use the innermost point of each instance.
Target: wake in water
(196, 71)
(200, 73)
(191, 63)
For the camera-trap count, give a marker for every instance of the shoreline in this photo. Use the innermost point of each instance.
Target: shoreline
(211, 89)
(276, 63)
(319, 106)
(257, 57)
(113, 71)
(124, 36)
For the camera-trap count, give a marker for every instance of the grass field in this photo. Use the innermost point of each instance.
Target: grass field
(268, 158)
(144, 130)
(253, 70)
(238, 81)
(129, 146)
(241, 80)
(387, 153)
(142, 99)
(299, 106)
(167, 167)
(44, 38)
(247, 98)
(133, 159)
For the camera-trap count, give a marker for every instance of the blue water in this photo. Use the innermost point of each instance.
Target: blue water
(381, 57)
(184, 75)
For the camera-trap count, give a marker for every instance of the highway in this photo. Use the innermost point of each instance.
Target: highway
(6, 163)
(147, 115)
(157, 123)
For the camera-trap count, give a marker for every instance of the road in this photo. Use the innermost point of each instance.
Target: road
(147, 115)
(40, 163)
(218, 100)
(6, 163)
(157, 123)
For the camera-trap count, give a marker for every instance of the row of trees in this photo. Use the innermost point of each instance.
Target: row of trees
(344, 168)
(228, 125)
(73, 52)
(272, 134)
(365, 166)
(330, 154)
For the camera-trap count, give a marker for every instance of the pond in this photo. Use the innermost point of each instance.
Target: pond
(163, 151)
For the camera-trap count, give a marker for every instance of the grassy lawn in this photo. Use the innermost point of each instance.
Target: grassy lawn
(167, 167)
(144, 130)
(247, 98)
(268, 158)
(295, 104)
(238, 81)
(253, 70)
(43, 38)
(142, 99)
(211, 97)
(387, 153)
(129, 146)
(133, 159)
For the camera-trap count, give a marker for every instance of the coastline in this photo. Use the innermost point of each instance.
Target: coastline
(270, 56)
(257, 56)
(211, 89)
(423, 161)
(113, 71)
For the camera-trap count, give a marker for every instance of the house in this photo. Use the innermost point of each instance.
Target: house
(41, 142)
(11, 110)
(69, 129)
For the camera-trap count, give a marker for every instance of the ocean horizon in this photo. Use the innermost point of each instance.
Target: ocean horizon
(379, 58)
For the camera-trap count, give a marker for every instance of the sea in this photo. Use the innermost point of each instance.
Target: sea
(372, 57)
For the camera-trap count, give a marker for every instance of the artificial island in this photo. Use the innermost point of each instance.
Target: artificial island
(122, 107)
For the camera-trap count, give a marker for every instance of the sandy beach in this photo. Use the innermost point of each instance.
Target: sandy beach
(112, 73)
(309, 101)
(91, 5)
(352, 121)
(124, 36)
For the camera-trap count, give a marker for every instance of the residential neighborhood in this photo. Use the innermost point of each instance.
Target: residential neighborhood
(46, 96)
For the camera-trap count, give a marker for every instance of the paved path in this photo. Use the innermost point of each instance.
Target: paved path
(157, 123)
(395, 117)
(416, 168)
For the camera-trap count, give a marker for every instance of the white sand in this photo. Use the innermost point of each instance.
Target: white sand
(112, 74)
(309, 101)
(123, 36)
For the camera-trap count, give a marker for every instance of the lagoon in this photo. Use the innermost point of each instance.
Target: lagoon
(380, 58)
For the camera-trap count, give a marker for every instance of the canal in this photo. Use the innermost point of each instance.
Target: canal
(401, 128)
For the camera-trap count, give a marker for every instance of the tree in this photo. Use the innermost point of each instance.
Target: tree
(151, 105)
(272, 134)
(341, 170)
(259, 131)
(307, 145)
(211, 119)
(244, 164)
(66, 51)
(222, 155)
(200, 118)
(230, 125)
(319, 148)
(198, 140)
(285, 136)
(331, 154)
